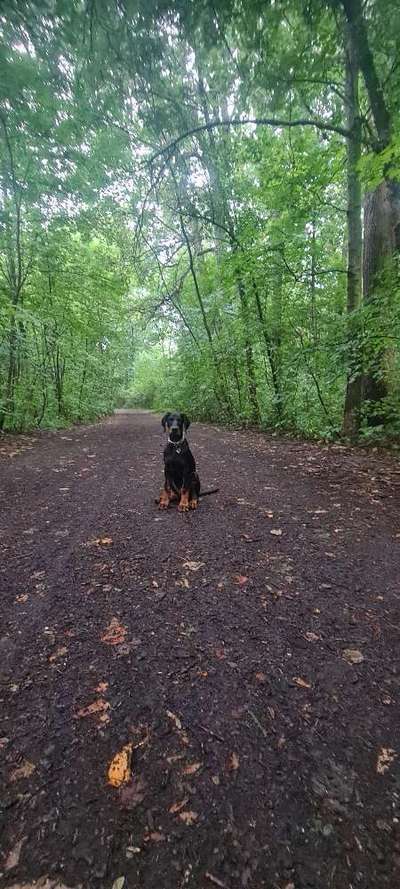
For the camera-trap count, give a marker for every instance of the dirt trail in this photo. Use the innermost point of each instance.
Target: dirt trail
(216, 645)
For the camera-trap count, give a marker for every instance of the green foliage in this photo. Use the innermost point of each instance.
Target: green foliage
(209, 275)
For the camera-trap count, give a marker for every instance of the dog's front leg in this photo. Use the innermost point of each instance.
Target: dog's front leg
(189, 495)
(165, 497)
(166, 494)
(184, 504)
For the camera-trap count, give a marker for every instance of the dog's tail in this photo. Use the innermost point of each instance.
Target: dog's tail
(206, 493)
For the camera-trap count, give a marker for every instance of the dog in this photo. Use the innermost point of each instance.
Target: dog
(182, 482)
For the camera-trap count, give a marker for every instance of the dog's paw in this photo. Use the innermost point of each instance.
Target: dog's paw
(163, 504)
(194, 504)
(183, 507)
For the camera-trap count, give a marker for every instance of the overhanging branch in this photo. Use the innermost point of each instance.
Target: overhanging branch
(258, 121)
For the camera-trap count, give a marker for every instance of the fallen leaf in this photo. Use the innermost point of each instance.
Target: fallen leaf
(276, 532)
(176, 807)
(133, 793)
(115, 633)
(192, 768)
(23, 771)
(98, 707)
(220, 654)
(119, 770)
(98, 541)
(118, 883)
(386, 757)
(188, 817)
(261, 677)
(155, 837)
(353, 656)
(215, 780)
(240, 579)
(102, 687)
(175, 719)
(14, 855)
(193, 566)
(233, 762)
(301, 682)
(22, 598)
(59, 653)
(311, 637)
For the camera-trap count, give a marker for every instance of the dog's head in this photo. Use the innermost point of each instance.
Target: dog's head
(175, 425)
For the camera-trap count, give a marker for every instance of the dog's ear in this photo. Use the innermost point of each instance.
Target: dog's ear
(186, 421)
(164, 420)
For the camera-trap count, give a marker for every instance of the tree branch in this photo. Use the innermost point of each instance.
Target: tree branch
(258, 121)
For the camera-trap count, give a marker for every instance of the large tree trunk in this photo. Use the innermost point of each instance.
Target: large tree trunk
(381, 242)
(352, 406)
(382, 206)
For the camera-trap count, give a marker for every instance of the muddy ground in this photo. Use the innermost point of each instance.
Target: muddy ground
(243, 660)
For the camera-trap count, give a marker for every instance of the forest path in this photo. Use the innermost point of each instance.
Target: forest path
(216, 644)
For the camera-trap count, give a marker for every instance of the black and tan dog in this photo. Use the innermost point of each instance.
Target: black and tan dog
(182, 482)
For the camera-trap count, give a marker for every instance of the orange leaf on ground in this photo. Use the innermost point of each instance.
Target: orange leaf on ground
(386, 757)
(119, 771)
(233, 762)
(102, 687)
(188, 817)
(192, 768)
(176, 807)
(261, 677)
(23, 771)
(98, 707)
(115, 633)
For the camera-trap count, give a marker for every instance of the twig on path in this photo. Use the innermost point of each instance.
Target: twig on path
(214, 734)
(258, 724)
(215, 880)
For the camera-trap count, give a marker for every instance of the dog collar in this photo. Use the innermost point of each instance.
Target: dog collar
(177, 444)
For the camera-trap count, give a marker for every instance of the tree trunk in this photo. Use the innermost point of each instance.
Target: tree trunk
(271, 354)
(381, 230)
(382, 207)
(352, 405)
